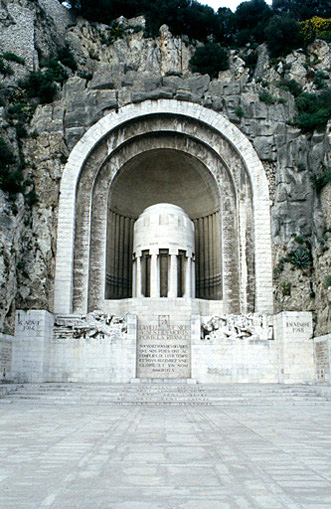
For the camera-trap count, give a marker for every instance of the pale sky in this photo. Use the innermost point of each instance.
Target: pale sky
(232, 4)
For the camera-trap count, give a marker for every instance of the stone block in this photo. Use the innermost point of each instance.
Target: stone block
(293, 332)
(33, 333)
(107, 76)
(144, 81)
(322, 355)
(160, 93)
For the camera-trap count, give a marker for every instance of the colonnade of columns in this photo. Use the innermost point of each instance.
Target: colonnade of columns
(150, 280)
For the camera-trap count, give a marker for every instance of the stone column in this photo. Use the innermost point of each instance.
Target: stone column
(154, 285)
(188, 277)
(138, 280)
(173, 276)
(134, 276)
(193, 278)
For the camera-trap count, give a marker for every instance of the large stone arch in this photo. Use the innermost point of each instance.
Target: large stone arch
(99, 144)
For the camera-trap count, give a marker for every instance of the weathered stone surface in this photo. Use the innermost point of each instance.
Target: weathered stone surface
(321, 50)
(297, 71)
(262, 68)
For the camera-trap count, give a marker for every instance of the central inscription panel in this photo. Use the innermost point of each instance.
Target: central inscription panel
(163, 349)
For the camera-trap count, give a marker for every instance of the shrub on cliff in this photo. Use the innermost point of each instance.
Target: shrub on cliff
(10, 177)
(210, 59)
(67, 58)
(38, 84)
(316, 28)
(321, 180)
(291, 86)
(282, 35)
(253, 21)
(314, 110)
(5, 69)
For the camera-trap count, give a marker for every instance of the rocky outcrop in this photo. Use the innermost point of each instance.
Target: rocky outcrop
(117, 69)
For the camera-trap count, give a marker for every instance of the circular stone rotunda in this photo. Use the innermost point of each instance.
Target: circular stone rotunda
(163, 259)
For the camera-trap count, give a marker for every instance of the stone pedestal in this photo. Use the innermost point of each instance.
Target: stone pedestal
(293, 333)
(31, 347)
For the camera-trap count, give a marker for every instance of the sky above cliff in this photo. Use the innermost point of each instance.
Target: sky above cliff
(232, 4)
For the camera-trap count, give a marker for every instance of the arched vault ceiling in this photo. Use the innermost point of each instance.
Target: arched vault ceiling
(163, 175)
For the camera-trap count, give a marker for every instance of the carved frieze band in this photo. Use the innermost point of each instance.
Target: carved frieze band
(96, 324)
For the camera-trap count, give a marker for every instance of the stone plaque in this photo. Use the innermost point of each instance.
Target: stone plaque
(164, 348)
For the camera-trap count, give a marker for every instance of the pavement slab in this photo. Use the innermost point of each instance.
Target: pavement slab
(164, 457)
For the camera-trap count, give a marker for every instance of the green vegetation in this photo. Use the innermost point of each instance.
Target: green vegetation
(31, 198)
(286, 288)
(210, 59)
(239, 112)
(5, 69)
(42, 84)
(319, 181)
(282, 35)
(85, 75)
(254, 21)
(319, 79)
(303, 9)
(267, 98)
(291, 86)
(115, 32)
(250, 19)
(300, 258)
(10, 177)
(314, 110)
(39, 85)
(22, 112)
(298, 238)
(327, 282)
(316, 28)
(55, 71)
(250, 60)
(66, 58)
(11, 57)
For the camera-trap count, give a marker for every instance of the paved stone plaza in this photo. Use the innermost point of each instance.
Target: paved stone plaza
(165, 457)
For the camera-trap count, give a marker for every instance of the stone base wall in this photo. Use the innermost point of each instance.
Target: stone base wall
(30, 350)
(322, 352)
(94, 359)
(166, 342)
(236, 362)
(6, 344)
(284, 354)
(293, 333)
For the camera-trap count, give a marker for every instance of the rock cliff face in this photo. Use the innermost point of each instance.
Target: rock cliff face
(129, 67)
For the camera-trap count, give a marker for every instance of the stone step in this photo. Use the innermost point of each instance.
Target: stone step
(244, 388)
(122, 394)
(257, 403)
(173, 398)
(213, 395)
(167, 394)
(9, 388)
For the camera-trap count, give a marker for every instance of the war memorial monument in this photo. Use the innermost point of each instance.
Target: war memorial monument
(165, 284)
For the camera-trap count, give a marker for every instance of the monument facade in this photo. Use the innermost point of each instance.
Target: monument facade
(163, 264)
